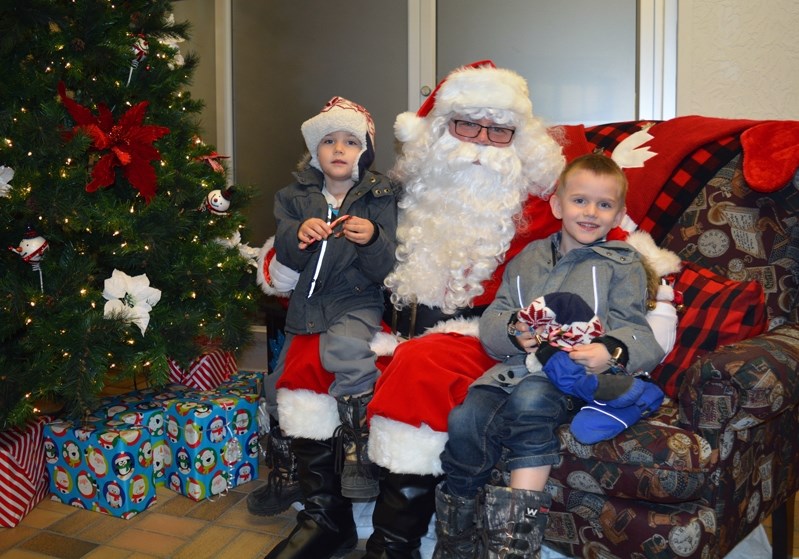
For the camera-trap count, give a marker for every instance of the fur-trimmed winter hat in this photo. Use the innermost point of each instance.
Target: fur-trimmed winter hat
(342, 114)
(476, 86)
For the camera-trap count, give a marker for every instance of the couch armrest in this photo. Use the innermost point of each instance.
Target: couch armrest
(742, 384)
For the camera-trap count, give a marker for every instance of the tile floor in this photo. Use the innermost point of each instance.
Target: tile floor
(176, 527)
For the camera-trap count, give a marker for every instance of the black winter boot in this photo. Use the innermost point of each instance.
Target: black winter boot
(359, 475)
(282, 488)
(325, 528)
(456, 533)
(512, 522)
(402, 514)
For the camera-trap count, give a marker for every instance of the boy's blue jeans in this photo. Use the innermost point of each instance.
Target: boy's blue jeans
(523, 421)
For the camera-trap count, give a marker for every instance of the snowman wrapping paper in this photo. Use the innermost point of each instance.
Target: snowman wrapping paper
(101, 465)
(213, 440)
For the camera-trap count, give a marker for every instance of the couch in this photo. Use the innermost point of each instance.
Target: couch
(722, 453)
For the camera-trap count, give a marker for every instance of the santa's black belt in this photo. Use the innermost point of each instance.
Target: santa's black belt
(415, 318)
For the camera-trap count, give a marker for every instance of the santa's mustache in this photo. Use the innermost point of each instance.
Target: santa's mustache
(462, 156)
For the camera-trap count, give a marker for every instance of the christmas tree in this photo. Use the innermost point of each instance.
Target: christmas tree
(123, 236)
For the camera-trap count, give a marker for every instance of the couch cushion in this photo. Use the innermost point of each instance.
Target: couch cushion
(717, 311)
(744, 235)
(654, 459)
(743, 384)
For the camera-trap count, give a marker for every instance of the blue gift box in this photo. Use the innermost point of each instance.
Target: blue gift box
(242, 383)
(145, 408)
(101, 465)
(214, 442)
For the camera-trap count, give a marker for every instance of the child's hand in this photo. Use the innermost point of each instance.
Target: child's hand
(526, 336)
(312, 230)
(357, 230)
(594, 357)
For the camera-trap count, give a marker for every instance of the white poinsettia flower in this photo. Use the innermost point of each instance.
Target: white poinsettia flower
(6, 174)
(172, 41)
(230, 242)
(131, 298)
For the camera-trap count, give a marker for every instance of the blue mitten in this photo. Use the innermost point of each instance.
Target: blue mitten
(600, 421)
(572, 379)
(565, 373)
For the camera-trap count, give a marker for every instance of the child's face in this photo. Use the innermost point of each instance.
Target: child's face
(338, 154)
(589, 206)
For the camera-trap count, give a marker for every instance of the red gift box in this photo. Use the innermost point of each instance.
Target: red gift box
(206, 372)
(23, 476)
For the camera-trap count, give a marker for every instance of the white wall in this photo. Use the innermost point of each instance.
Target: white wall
(738, 58)
(200, 13)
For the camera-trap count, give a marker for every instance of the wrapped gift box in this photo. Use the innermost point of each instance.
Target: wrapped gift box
(214, 442)
(206, 372)
(23, 476)
(100, 465)
(243, 382)
(145, 408)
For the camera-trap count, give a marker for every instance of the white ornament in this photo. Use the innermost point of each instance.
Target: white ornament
(130, 298)
(6, 174)
(218, 201)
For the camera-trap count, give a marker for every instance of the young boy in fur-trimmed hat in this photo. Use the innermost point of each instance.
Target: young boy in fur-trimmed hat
(336, 231)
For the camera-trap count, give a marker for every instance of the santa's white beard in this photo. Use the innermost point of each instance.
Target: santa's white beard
(455, 223)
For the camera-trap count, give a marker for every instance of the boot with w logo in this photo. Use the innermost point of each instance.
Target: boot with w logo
(512, 522)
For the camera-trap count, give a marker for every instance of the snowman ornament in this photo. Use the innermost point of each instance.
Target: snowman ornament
(31, 249)
(218, 201)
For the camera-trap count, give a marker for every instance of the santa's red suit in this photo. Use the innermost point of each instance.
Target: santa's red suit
(477, 218)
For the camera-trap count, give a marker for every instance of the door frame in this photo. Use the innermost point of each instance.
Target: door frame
(656, 72)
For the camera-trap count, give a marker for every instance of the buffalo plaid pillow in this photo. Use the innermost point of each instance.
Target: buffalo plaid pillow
(718, 311)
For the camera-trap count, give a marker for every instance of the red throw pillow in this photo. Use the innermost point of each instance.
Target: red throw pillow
(718, 311)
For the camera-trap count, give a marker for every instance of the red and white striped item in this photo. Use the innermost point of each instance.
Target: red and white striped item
(206, 372)
(23, 476)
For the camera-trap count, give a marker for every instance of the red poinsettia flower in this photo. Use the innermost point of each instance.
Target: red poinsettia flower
(127, 143)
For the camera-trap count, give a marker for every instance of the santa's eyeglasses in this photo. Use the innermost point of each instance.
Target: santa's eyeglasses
(496, 134)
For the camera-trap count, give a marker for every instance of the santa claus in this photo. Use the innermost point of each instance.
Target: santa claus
(475, 165)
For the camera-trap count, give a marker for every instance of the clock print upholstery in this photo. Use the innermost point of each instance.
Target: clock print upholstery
(720, 454)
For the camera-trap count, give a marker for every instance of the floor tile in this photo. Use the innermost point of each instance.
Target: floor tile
(108, 552)
(171, 525)
(208, 544)
(105, 527)
(213, 509)
(74, 523)
(9, 537)
(41, 517)
(57, 545)
(18, 553)
(248, 545)
(158, 545)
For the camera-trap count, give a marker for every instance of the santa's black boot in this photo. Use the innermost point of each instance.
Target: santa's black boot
(325, 528)
(402, 514)
(282, 486)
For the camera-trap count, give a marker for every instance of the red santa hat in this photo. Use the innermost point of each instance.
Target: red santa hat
(476, 86)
